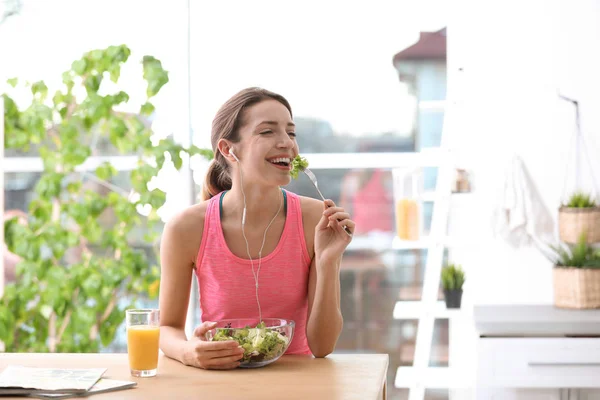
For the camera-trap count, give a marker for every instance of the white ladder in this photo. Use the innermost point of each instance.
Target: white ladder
(420, 376)
(431, 279)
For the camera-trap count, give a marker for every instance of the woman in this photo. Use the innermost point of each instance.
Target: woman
(255, 248)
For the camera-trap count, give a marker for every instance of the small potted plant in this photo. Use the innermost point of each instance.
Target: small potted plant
(453, 279)
(581, 215)
(577, 276)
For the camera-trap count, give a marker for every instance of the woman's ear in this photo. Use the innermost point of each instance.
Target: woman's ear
(225, 148)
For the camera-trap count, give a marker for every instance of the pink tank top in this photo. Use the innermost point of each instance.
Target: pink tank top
(226, 284)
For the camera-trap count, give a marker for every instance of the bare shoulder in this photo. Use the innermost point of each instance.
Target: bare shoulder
(183, 232)
(312, 210)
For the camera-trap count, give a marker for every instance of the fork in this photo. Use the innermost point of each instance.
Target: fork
(313, 179)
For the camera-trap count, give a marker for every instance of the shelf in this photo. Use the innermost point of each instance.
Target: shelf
(418, 309)
(429, 195)
(373, 241)
(387, 241)
(426, 242)
(423, 243)
(431, 378)
(429, 157)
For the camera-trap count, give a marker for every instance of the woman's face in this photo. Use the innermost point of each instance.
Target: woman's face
(267, 143)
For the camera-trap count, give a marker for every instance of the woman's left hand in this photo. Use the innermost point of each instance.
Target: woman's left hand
(330, 237)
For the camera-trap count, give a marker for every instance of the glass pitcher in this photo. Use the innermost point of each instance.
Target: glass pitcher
(407, 202)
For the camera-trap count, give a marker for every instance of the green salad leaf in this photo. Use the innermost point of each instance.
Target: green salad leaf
(259, 343)
(299, 164)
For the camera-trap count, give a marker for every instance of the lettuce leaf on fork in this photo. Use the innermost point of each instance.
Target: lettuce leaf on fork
(298, 165)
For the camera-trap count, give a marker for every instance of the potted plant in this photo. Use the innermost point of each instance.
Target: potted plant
(576, 276)
(580, 215)
(453, 279)
(79, 267)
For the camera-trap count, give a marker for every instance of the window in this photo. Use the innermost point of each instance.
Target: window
(358, 114)
(356, 118)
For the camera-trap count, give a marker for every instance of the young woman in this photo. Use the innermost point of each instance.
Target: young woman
(250, 242)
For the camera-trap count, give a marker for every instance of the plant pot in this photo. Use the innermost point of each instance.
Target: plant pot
(572, 222)
(453, 298)
(576, 287)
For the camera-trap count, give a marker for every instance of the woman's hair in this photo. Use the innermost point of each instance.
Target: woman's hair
(226, 125)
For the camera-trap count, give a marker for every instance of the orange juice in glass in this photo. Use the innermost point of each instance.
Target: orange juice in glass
(143, 333)
(407, 190)
(407, 219)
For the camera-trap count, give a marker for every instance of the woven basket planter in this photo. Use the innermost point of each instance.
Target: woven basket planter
(576, 287)
(572, 222)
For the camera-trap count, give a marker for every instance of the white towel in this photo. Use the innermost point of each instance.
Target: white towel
(521, 217)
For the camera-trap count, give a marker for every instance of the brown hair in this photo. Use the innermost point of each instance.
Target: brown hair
(226, 125)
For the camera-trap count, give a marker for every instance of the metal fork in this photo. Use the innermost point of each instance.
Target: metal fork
(313, 179)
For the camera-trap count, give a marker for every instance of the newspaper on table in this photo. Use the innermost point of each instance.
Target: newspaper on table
(102, 386)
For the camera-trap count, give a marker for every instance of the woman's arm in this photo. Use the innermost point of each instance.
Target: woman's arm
(325, 320)
(179, 246)
(175, 284)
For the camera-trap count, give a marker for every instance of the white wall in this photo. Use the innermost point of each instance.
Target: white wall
(516, 55)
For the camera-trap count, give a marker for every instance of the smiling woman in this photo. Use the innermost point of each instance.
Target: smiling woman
(248, 225)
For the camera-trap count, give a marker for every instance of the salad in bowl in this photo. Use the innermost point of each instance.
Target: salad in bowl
(263, 343)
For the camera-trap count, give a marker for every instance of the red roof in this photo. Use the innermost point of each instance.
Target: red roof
(431, 46)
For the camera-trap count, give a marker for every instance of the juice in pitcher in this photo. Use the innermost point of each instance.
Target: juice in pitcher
(407, 192)
(143, 334)
(407, 219)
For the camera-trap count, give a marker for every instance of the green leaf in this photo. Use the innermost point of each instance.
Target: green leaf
(118, 98)
(91, 284)
(96, 55)
(39, 88)
(115, 73)
(157, 198)
(106, 171)
(68, 132)
(581, 200)
(135, 126)
(79, 66)
(63, 111)
(76, 154)
(206, 153)
(67, 78)
(58, 98)
(74, 187)
(176, 158)
(13, 82)
(147, 109)
(92, 83)
(453, 277)
(117, 128)
(150, 237)
(141, 176)
(49, 185)
(154, 74)
(40, 209)
(97, 206)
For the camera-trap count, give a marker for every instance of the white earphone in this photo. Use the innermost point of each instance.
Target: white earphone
(234, 156)
(246, 240)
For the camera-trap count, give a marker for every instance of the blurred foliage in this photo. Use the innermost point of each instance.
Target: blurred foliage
(75, 273)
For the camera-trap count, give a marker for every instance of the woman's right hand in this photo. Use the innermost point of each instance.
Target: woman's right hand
(212, 355)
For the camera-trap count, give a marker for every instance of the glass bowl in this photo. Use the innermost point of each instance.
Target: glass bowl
(263, 344)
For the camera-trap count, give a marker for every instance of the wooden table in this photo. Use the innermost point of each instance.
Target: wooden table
(338, 376)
